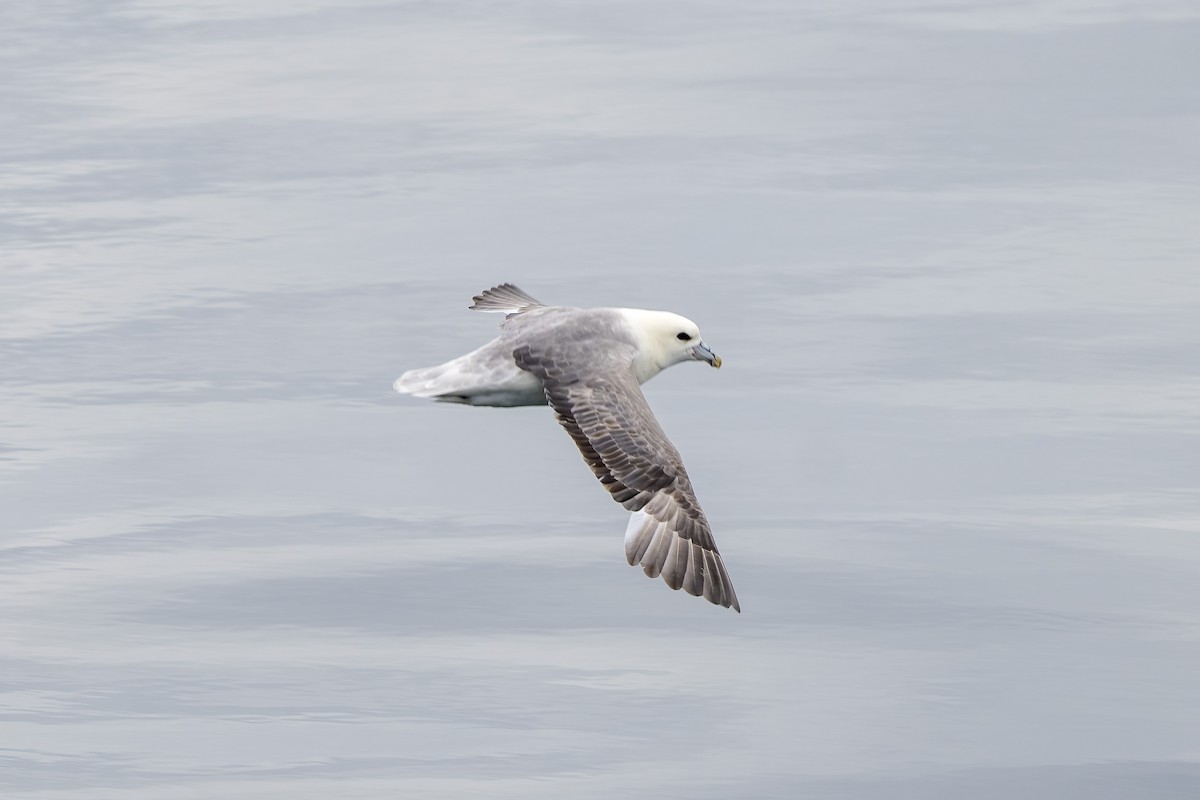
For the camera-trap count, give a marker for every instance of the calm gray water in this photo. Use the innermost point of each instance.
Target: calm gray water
(949, 253)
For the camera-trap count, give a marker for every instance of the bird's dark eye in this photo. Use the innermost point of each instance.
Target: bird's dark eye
(683, 337)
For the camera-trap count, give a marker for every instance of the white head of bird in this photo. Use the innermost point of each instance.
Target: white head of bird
(664, 339)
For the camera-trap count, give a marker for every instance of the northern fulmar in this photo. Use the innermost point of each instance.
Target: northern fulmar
(588, 365)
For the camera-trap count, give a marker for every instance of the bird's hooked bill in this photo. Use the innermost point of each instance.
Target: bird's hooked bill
(701, 353)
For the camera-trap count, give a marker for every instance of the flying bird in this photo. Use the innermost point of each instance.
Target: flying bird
(588, 365)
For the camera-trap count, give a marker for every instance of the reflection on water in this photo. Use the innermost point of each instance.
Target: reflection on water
(949, 255)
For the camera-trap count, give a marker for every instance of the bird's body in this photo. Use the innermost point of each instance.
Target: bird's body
(588, 364)
(490, 376)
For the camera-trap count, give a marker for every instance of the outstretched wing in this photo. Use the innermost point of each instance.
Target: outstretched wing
(610, 421)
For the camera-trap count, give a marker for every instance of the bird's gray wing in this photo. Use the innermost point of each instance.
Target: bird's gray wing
(505, 298)
(603, 409)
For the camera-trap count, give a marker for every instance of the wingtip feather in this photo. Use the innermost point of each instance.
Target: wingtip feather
(661, 551)
(506, 298)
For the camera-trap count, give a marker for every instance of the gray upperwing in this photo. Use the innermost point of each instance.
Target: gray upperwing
(591, 387)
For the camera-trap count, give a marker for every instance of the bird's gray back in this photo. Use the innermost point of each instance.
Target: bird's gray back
(603, 333)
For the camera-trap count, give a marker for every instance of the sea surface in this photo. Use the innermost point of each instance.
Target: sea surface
(949, 253)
